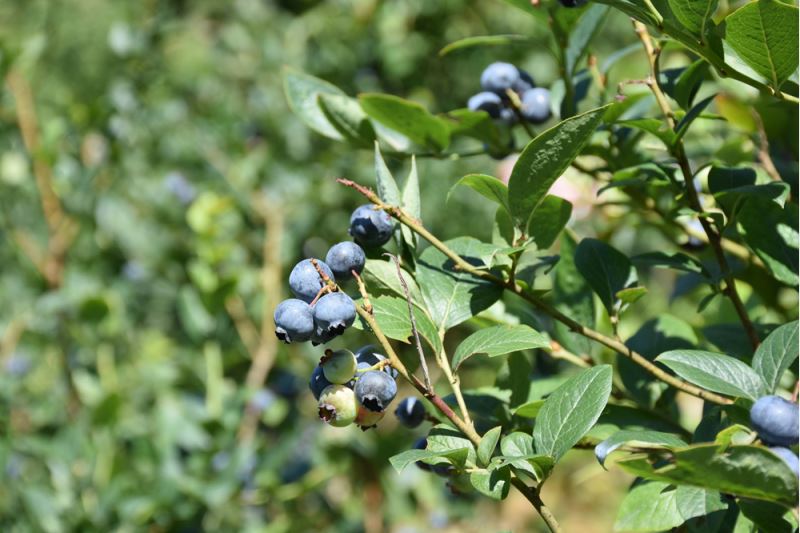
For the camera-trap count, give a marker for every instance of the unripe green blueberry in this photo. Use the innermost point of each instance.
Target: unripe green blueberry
(339, 366)
(338, 405)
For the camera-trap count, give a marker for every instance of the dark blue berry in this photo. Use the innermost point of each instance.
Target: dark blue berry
(498, 77)
(775, 420)
(368, 355)
(375, 390)
(524, 83)
(305, 281)
(535, 105)
(486, 101)
(345, 257)
(410, 412)
(572, 3)
(294, 321)
(318, 382)
(371, 227)
(333, 313)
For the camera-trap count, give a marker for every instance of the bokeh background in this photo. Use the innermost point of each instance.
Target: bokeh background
(155, 190)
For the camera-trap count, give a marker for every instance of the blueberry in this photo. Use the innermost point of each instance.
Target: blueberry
(294, 321)
(305, 281)
(318, 382)
(366, 419)
(507, 116)
(572, 3)
(775, 420)
(333, 313)
(789, 457)
(536, 105)
(486, 101)
(338, 406)
(345, 257)
(371, 227)
(338, 367)
(410, 412)
(367, 354)
(375, 390)
(524, 83)
(498, 77)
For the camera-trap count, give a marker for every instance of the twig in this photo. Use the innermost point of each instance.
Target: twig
(763, 150)
(363, 290)
(264, 356)
(545, 307)
(532, 495)
(559, 352)
(422, 363)
(678, 151)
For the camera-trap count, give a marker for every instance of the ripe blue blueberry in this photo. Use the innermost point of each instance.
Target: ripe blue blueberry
(789, 457)
(371, 227)
(368, 355)
(294, 321)
(318, 382)
(775, 420)
(498, 77)
(536, 105)
(338, 367)
(524, 83)
(338, 406)
(410, 412)
(345, 257)
(375, 390)
(486, 101)
(305, 281)
(333, 313)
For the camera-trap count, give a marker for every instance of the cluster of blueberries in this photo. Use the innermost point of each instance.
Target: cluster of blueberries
(776, 422)
(358, 387)
(320, 311)
(508, 92)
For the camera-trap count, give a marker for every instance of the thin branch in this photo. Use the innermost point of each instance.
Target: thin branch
(532, 495)
(264, 355)
(363, 290)
(763, 150)
(422, 362)
(678, 151)
(530, 297)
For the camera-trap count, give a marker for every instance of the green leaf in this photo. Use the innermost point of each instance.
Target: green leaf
(530, 409)
(548, 220)
(654, 127)
(581, 34)
(764, 34)
(499, 340)
(302, 92)
(348, 118)
(488, 444)
(443, 438)
(571, 410)
(676, 261)
(477, 125)
(492, 483)
(517, 450)
(649, 506)
(771, 232)
(400, 461)
(573, 297)
(391, 314)
(747, 471)
(689, 81)
(384, 275)
(694, 501)
(544, 159)
(715, 372)
(631, 295)
(638, 439)
(769, 517)
(683, 126)
(483, 40)
(777, 353)
(694, 14)
(607, 271)
(487, 186)
(453, 296)
(385, 182)
(408, 118)
(411, 203)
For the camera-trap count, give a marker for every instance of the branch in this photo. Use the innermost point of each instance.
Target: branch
(530, 297)
(678, 151)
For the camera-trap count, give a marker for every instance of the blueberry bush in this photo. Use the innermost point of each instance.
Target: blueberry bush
(298, 265)
(539, 284)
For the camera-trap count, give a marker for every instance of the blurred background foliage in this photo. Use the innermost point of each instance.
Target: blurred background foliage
(146, 150)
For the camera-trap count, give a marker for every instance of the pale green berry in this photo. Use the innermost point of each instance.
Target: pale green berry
(339, 366)
(338, 406)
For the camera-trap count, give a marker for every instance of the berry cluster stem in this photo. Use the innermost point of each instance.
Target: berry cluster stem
(543, 306)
